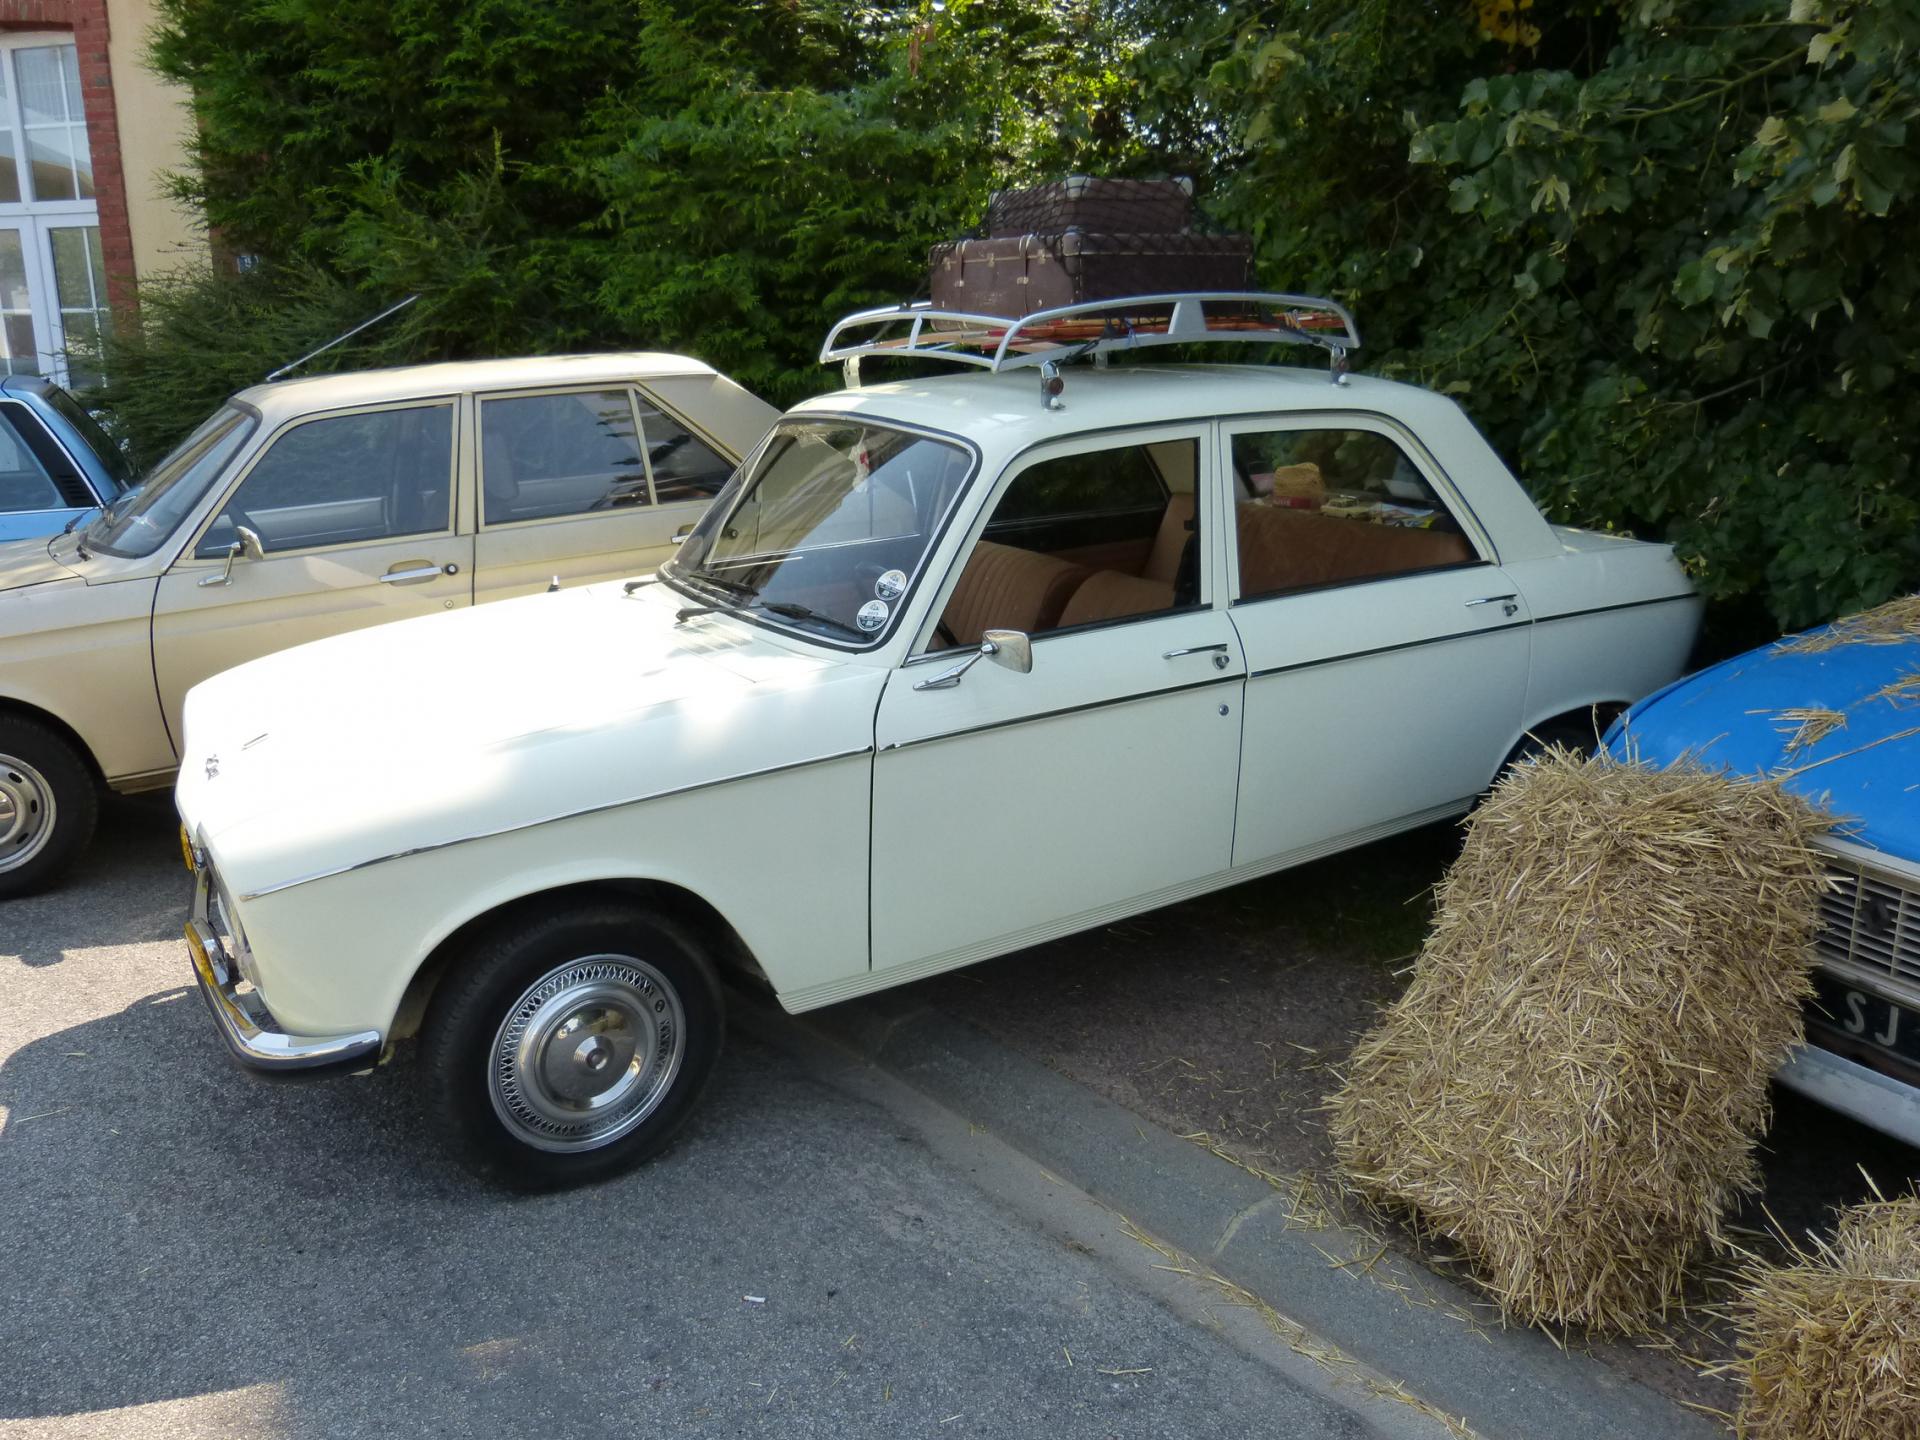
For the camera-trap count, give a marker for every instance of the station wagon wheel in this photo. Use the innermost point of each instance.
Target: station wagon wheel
(572, 1045)
(48, 805)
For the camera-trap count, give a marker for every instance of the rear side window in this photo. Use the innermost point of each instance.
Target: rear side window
(548, 455)
(24, 482)
(684, 466)
(1321, 507)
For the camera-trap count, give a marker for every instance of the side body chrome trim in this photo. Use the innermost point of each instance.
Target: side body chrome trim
(1034, 719)
(549, 820)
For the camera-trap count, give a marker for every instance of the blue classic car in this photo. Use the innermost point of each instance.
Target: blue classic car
(1836, 714)
(55, 460)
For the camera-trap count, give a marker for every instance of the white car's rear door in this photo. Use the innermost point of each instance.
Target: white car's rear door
(1387, 653)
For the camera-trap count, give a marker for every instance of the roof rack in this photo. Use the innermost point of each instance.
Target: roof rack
(1046, 338)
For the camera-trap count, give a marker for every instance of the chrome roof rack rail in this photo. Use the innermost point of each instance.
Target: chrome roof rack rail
(1095, 327)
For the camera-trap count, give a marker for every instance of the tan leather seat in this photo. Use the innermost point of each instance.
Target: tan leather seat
(1109, 595)
(1284, 549)
(1007, 588)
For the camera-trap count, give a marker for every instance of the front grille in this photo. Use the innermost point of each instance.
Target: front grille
(1870, 922)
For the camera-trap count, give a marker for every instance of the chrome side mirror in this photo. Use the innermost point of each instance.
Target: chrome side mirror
(247, 543)
(1011, 648)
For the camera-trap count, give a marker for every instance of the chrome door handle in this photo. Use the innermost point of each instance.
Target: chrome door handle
(413, 572)
(1508, 603)
(1194, 650)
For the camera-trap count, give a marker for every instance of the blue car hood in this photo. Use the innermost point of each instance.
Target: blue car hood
(1867, 771)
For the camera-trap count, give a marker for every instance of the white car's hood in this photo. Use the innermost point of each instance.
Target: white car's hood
(412, 735)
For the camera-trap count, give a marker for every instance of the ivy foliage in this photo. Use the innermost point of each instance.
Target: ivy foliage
(1656, 247)
(1660, 254)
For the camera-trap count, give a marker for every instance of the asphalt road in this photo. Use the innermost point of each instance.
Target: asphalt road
(186, 1251)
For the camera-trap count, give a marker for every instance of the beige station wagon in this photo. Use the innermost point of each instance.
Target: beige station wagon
(310, 507)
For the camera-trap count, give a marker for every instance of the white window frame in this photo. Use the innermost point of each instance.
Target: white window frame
(35, 219)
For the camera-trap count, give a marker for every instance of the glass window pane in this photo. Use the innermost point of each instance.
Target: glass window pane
(684, 468)
(1332, 507)
(70, 78)
(82, 162)
(22, 354)
(9, 162)
(50, 158)
(43, 98)
(354, 478)
(544, 455)
(13, 272)
(72, 269)
(24, 482)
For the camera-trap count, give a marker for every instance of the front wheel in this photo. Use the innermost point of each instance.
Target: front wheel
(573, 1045)
(49, 804)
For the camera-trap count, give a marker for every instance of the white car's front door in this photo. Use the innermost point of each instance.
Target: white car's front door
(1009, 807)
(1387, 653)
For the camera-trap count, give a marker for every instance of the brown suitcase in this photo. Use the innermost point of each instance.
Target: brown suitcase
(1084, 202)
(1013, 276)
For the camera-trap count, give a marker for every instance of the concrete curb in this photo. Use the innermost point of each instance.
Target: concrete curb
(1392, 1315)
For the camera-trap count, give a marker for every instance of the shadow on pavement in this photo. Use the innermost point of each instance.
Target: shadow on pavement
(130, 886)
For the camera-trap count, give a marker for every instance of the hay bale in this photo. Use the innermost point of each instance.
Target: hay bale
(1830, 1340)
(1893, 623)
(1572, 1084)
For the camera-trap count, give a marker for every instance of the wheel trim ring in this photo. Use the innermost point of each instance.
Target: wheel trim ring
(529, 1107)
(27, 812)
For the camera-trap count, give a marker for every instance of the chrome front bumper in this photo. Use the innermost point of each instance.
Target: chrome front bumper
(1886, 1104)
(252, 1043)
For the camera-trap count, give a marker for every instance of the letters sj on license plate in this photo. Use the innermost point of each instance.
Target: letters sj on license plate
(1864, 1018)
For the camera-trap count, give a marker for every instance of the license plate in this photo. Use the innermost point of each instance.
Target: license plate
(1863, 1018)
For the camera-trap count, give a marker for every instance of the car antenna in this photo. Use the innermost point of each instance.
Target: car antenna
(364, 324)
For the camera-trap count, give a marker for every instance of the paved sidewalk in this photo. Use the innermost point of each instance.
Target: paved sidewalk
(1340, 1283)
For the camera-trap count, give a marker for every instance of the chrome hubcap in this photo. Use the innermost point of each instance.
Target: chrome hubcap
(26, 812)
(587, 1052)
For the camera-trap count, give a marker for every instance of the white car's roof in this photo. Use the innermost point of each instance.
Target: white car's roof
(408, 382)
(1005, 408)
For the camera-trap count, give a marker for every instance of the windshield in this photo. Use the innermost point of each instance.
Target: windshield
(112, 459)
(827, 527)
(139, 521)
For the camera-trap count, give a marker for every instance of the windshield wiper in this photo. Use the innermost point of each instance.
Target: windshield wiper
(783, 608)
(720, 582)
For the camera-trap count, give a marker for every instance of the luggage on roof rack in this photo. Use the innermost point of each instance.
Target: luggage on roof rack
(1021, 274)
(1106, 207)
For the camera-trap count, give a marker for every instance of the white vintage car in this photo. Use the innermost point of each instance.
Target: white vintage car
(950, 667)
(310, 507)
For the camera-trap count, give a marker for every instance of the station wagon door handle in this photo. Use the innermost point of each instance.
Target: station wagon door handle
(1508, 603)
(413, 572)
